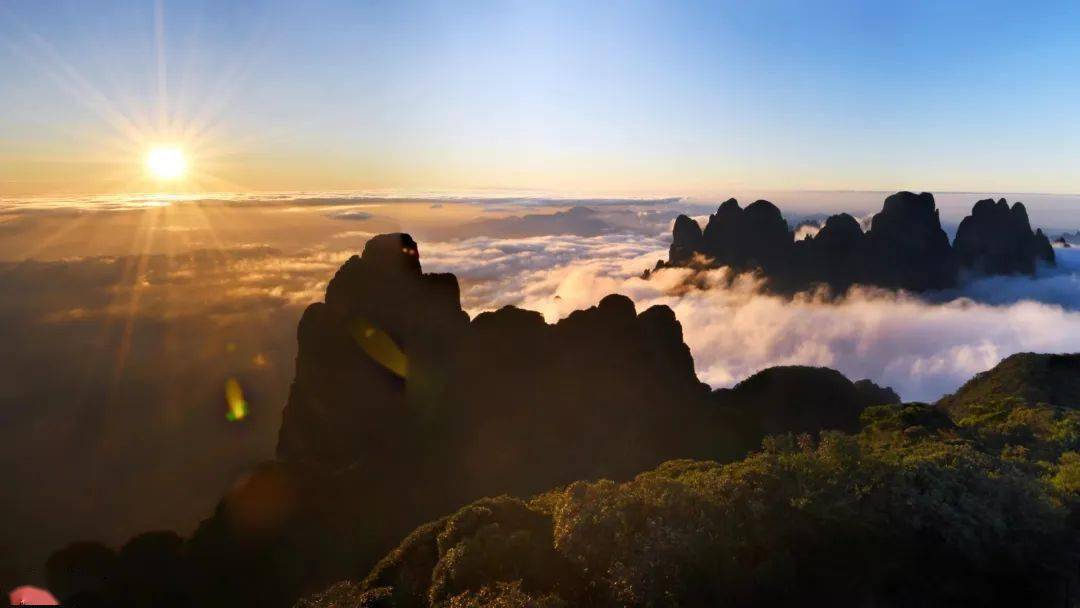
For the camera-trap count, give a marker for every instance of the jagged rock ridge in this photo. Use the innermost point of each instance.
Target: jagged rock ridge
(905, 247)
(997, 239)
(402, 408)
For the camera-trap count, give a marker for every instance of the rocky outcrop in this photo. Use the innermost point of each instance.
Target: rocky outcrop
(755, 237)
(834, 256)
(905, 247)
(799, 399)
(402, 408)
(377, 349)
(686, 240)
(997, 239)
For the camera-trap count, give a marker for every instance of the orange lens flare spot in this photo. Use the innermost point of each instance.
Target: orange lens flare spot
(379, 346)
(234, 398)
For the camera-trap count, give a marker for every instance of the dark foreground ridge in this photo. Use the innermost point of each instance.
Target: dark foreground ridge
(905, 247)
(402, 409)
(915, 509)
(1021, 380)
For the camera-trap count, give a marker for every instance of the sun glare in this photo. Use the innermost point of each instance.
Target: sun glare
(166, 163)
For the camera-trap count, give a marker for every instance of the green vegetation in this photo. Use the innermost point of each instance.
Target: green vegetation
(914, 509)
(1026, 378)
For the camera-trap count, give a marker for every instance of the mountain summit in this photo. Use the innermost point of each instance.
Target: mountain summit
(905, 247)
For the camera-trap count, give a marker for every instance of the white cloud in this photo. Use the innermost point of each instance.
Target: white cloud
(921, 346)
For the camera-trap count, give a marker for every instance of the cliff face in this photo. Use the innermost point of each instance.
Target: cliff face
(755, 237)
(905, 247)
(389, 368)
(369, 357)
(997, 239)
(402, 408)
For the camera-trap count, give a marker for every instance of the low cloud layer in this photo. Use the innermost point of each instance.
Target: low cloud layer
(48, 229)
(923, 347)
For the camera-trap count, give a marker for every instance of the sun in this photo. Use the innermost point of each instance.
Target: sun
(166, 162)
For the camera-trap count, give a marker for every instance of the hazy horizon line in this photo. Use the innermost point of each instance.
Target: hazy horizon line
(493, 193)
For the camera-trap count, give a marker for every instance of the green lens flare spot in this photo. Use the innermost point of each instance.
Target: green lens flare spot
(234, 398)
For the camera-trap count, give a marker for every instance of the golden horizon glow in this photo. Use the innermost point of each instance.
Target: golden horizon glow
(166, 162)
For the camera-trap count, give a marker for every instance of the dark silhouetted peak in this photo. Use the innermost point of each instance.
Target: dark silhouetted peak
(841, 233)
(905, 247)
(685, 239)
(764, 219)
(392, 252)
(1023, 379)
(1019, 212)
(388, 269)
(744, 239)
(833, 256)
(764, 212)
(686, 230)
(509, 318)
(796, 399)
(383, 320)
(730, 206)
(995, 239)
(661, 315)
(876, 395)
(722, 228)
(907, 207)
(1043, 249)
(618, 305)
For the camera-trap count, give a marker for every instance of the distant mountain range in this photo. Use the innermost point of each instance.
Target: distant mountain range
(905, 247)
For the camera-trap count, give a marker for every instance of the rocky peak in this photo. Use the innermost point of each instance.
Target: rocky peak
(686, 239)
(383, 321)
(840, 233)
(907, 208)
(997, 239)
(905, 247)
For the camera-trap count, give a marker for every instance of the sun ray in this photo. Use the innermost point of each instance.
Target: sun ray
(135, 271)
(68, 79)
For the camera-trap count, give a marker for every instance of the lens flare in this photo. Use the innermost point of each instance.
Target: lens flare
(380, 346)
(234, 397)
(32, 596)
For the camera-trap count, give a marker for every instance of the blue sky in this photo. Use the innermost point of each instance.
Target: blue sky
(621, 98)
